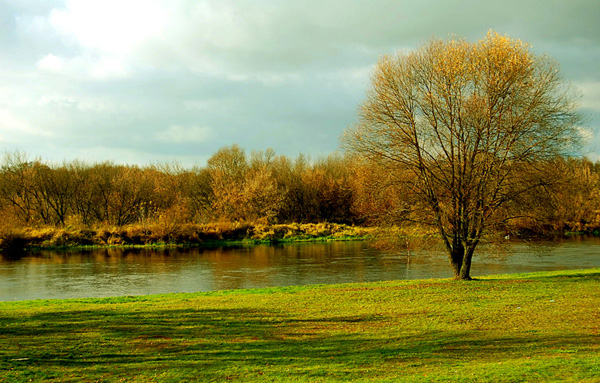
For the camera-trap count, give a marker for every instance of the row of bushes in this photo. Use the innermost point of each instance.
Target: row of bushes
(185, 235)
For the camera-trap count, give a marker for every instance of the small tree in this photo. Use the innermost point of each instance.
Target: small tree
(462, 128)
(227, 169)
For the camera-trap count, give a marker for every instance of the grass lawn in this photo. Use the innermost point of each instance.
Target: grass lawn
(511, 328)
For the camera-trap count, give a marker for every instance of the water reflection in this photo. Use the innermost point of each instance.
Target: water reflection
(112, 272)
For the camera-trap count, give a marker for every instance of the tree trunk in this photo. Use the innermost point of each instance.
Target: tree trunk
(457, 253)
(460, 260)
(465, 270)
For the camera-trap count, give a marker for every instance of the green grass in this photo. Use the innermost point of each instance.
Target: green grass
(514, 328)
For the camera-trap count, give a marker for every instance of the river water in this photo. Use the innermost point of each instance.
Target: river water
(118, 272)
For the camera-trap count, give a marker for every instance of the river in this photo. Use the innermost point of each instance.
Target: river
(118, 272)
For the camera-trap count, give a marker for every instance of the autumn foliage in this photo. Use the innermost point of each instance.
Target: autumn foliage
(466, 132)
(234, 196)
(260, 189)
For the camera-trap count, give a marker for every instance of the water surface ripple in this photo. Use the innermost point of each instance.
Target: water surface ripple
(117, 272)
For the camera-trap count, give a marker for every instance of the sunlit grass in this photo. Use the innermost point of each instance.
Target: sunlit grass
(529, 327)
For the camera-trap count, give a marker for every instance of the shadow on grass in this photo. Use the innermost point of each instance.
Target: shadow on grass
(206, 344)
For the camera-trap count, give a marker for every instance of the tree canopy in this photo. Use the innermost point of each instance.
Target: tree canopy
(465, 130)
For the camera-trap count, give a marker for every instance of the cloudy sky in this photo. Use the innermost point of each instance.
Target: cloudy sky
(153, 81)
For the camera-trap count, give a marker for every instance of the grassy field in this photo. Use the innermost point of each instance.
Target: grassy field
(513, 328)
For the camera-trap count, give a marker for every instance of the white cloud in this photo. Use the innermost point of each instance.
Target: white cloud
(16, 128)
(51, 63)
(587, 135)
(56, 100)
(10, 122)
(108, 67)
(85, 67)
(91, 104)
(229, 38)
(59, 101)
(590, 95)
(182, 134)
(105, 35)
(113, 26)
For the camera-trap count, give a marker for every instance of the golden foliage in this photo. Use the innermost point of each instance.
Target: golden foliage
(459, 131)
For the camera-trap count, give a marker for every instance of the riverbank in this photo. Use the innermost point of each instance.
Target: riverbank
(181, 235)
(508, 328)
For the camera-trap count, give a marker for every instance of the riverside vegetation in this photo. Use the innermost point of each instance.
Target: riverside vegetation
(517, 328)
(237, 197)
(134, 235)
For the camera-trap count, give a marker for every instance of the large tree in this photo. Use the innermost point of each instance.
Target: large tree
(463, 128)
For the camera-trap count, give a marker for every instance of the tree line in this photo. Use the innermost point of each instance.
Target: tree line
(261, 187)
(233, 186)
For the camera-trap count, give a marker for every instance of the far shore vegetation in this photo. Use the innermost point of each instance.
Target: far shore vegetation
(185, 235)
(239, 198)
(257, 198)
(540, 327)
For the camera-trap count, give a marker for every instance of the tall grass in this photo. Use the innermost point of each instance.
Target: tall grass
(176, 234)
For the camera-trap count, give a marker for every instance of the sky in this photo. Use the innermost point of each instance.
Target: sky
(160, 81)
